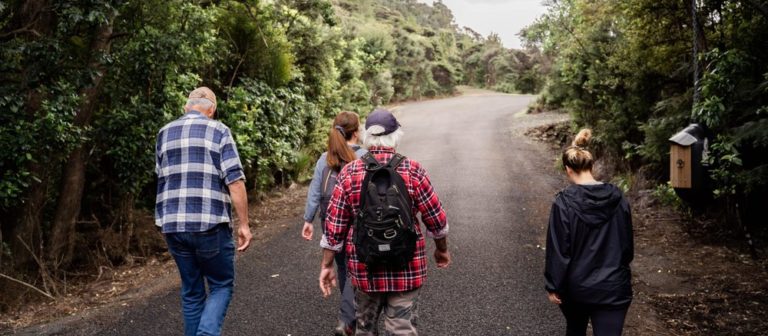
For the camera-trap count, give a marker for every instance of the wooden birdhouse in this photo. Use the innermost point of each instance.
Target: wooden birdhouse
(680, 168)
(687, 172)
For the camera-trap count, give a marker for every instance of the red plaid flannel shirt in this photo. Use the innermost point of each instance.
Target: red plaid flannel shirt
(343, 208)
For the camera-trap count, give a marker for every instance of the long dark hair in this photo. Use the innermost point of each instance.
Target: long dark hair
(344, 127)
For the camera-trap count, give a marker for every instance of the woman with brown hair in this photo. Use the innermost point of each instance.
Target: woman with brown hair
(589, 248)
(343, 148)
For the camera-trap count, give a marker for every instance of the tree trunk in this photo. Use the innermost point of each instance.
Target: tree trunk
(127, 226)
(27, 231)
(32, 20)
(73, 178)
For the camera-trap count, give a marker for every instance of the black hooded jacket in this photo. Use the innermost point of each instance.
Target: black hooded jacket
(590, 246)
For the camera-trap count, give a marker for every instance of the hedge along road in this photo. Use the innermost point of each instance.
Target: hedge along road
(496, 186)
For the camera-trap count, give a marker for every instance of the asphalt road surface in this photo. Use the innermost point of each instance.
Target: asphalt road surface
(496, 187)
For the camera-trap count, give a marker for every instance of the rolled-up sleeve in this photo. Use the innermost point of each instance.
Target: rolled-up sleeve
(339, 215)
(430, 207)
(231, 167)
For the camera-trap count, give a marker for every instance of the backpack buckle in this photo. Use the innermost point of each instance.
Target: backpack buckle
(389, 234)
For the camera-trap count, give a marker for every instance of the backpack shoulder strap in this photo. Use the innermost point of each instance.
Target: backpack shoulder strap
(371, 164)
(397, 179)
(327, 173)
(395, 162)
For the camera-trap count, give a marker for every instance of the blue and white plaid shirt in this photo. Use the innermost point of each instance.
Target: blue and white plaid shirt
(196, 158)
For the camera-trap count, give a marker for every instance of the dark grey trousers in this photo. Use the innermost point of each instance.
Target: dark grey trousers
(606, 320)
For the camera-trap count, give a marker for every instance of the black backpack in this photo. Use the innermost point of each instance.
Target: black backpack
(384, 226)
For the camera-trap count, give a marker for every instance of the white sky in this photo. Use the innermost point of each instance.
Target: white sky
(505, 17)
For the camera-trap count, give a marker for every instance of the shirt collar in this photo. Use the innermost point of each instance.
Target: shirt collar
(194, 114)
(381, 150)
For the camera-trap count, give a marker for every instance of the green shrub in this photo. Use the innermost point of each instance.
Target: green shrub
(665, 194)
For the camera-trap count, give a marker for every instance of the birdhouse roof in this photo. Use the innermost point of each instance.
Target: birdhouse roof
(683, 139)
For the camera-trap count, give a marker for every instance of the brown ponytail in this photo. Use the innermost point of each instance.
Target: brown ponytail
(577, 157)
(344, 127)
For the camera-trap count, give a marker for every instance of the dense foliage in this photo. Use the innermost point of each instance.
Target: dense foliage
(487, 63)
(626, 69)
(86, 84)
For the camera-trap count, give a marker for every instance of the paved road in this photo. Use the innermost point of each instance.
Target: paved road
(496, 186)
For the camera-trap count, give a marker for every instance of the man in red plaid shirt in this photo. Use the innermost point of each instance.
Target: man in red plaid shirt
(391, 291)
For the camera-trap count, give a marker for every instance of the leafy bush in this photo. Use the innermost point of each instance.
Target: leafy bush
(269, 128)
(665, 194)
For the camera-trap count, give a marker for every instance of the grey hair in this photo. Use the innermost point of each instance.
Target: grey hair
(391, 140)
(202, 102)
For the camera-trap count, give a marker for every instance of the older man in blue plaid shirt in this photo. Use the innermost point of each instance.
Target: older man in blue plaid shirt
(200, 177)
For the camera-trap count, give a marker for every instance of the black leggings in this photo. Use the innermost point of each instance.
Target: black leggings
(606, 320)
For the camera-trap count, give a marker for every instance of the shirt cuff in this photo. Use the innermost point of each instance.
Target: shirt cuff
(324, 243)
(439, 234)
(234, 176)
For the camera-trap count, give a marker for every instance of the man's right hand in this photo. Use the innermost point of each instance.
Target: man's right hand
(307, 231)
(442, 258)
(244, 237)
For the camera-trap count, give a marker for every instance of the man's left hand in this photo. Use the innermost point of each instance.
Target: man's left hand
(327, 280)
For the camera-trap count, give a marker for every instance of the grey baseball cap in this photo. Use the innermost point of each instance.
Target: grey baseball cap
(384, 121)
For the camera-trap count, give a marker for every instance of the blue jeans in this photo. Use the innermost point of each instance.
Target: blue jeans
(204, 257)
(347, 310)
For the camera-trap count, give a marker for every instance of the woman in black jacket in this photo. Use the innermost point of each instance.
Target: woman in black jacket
(589, 248)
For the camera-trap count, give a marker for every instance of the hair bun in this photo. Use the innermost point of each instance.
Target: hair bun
(582, 139)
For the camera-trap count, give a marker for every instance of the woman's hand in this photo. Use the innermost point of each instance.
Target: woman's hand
(554, 298)
(307, 231)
